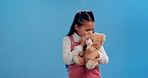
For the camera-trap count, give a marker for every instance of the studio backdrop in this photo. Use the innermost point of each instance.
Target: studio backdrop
(31, 33)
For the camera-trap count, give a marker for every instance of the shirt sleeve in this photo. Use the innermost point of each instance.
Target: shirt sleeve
(104, 59)
(66, 51)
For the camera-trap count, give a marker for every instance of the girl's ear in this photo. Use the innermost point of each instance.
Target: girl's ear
(76, 27)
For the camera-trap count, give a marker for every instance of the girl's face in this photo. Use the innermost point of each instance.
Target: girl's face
(85, 29)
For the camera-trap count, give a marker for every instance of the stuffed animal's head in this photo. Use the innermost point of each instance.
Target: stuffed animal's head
(97, 40)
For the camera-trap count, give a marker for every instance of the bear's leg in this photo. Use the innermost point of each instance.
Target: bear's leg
(92, 63)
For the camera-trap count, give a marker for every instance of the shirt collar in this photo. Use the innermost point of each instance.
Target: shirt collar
(76, 37)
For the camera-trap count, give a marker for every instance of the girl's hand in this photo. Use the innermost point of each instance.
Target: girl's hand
(83, 40)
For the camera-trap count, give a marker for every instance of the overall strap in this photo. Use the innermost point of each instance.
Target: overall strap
(71, 38)
(73, 43)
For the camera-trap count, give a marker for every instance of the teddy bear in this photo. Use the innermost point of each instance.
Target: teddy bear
(89, 56)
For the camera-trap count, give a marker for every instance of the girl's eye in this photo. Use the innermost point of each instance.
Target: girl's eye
(89, 29)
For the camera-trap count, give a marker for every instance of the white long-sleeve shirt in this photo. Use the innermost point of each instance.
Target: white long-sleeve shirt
(68, 55)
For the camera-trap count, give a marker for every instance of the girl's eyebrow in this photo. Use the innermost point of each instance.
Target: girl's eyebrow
(90, 29)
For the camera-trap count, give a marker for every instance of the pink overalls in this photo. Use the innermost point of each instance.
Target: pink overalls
(76, 71)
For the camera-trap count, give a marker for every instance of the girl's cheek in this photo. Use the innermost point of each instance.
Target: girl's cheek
(89, 33)
(84, 33)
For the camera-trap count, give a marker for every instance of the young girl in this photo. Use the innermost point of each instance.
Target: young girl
(73, 43)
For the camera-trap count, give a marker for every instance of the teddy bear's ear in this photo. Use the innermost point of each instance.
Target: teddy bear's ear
(103, 37)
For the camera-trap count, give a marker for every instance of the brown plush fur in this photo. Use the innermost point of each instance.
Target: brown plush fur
(90, 54)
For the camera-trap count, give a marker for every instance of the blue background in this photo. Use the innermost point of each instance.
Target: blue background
(31, 33)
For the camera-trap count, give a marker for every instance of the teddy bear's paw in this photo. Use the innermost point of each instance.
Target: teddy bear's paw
(90, 64)
(76, 60)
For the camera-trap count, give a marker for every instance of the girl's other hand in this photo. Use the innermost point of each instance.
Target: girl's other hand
(83, 40)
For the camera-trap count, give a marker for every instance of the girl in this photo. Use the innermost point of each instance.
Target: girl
(73, 43)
